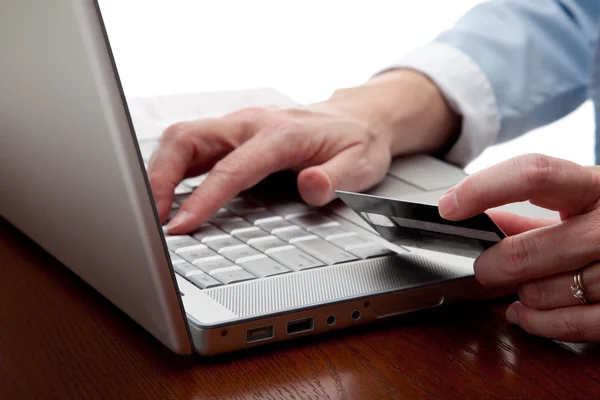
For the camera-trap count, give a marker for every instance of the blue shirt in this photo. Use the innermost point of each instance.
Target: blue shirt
(509, 66)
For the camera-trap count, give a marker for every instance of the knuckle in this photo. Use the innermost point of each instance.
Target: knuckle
(369, 170)
(227, 168)
(249, 114)
(160, 184)
(285, 132)
(589, 234)
(569, 327)
(289, 139)
(595, 181)
(156, 178)
(479, 270)
(176, 132)
(514, 256)
(532, 294)
(594, 190)
(197, 201)
(298, 112)
(364, 165)
(536, 169)
(468, 187)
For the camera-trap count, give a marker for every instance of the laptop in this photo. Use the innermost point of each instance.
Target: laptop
(266, 268)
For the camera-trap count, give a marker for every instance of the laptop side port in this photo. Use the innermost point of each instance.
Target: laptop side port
(260, 334)
(300, 326)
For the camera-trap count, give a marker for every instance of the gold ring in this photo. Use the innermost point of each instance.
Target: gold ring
(577, 289)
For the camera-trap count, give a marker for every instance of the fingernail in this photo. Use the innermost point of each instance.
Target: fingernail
(448, 205)
(511, 315)
(180, 218)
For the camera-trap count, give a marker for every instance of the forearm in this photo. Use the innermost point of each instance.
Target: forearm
(405, 106)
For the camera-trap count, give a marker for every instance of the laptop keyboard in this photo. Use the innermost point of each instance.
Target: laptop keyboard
(248, 240)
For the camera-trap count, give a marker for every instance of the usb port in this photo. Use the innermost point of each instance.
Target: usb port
(300, 326)
(260, 334)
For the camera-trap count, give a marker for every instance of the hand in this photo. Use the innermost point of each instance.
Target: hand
(331, 150)
(540, 256)
(344, 143)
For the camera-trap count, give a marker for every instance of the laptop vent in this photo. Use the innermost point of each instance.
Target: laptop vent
(321, 285)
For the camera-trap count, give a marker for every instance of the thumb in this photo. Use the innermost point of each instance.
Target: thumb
(513, 224)
(349, 170)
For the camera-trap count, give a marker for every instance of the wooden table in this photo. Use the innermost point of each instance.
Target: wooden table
(59, 339)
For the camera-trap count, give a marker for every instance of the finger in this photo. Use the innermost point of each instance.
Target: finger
(570, 324)
(352, 169)
(187, 149)
(239, 170)
(555, 291)
(551, 183)
(166, 168)
(513, 224)
(541, 252)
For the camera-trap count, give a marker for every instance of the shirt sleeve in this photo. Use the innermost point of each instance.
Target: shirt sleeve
(509, 66)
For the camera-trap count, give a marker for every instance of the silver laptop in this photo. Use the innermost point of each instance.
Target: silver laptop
(266, 268)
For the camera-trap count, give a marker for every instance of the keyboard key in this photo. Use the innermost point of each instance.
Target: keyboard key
(369, 250)
(210, 264)
(312, 220)
(182, 189)
(266, 243)
(291, 209)
(179, 241)
(291, 235)
(194, 253)
(262, 266)
(226, 218)
(241, 206)
(175, 259)
(274, 225)
(186, 269)
(174, 205)
(324, 251)
(237, 252)
(326, 231)
(231, 225)
(249, 234)
(204, 281)
(180, 198)
(195, 181)
(349, 240)
(221, 213)
(207, 231)
(243, 212)
(294, 259)
(259, 216)
(232, 275)
(218, 243)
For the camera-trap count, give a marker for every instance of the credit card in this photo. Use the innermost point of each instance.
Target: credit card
(419, 225)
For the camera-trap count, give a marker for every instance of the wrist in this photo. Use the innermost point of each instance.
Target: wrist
(405, 106)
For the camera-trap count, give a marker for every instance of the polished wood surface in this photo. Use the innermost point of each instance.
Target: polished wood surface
(59, 339)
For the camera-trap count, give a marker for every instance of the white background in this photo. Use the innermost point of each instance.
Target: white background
(305, 49)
